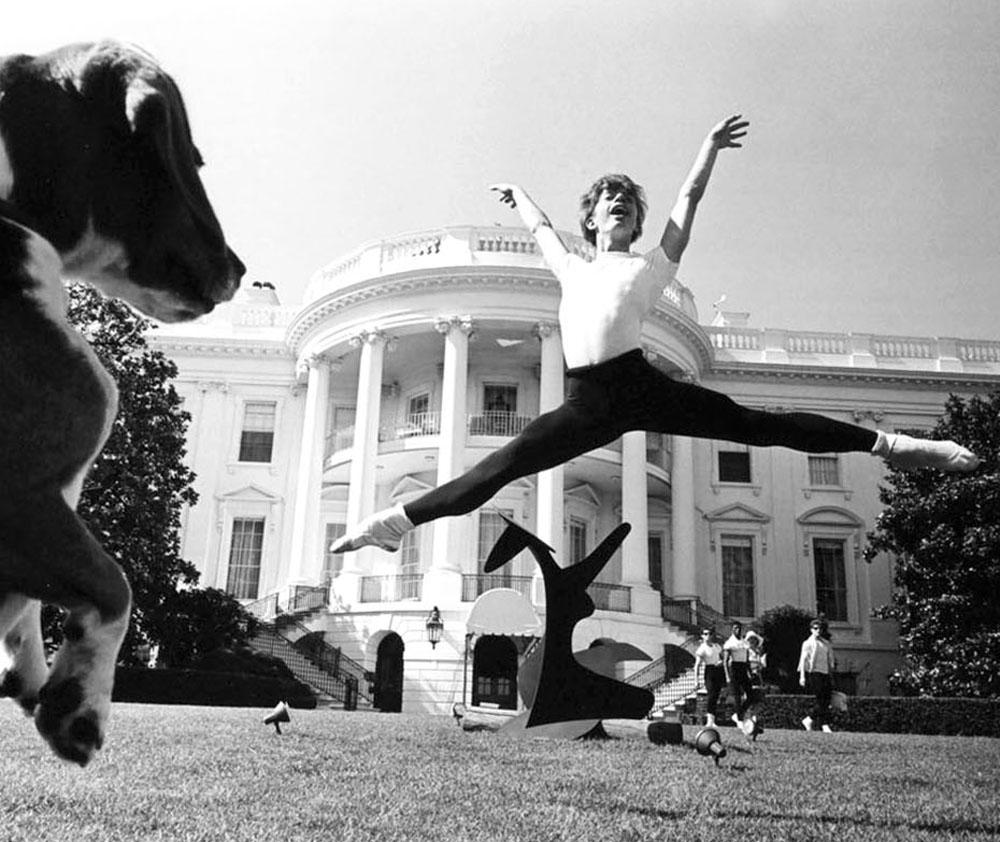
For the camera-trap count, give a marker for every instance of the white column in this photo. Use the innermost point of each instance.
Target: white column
(682, 518)
(635, 548)
(306, 554)
(549, 513)
(364, 452)
(442, 582)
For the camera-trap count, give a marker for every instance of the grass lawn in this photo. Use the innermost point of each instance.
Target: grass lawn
(220, 774)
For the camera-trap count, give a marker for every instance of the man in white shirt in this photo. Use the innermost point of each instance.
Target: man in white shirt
(736, 659)
(816, 663)
(611, 388)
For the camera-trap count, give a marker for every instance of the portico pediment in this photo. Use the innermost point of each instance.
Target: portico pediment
(585, 493)
(408, 486)
(251, 493)
(830, 516)
(739, 513)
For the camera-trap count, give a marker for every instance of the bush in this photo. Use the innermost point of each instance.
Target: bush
(195, 687)
(783, 628)
(891, 715)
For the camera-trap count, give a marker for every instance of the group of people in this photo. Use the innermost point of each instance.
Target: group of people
(739, 663)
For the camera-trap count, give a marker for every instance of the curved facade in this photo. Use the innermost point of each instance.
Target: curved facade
(413, 357)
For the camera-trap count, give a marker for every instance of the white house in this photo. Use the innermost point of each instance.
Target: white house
(414, 356)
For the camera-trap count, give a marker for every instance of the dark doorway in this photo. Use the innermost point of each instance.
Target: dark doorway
(388, 690)
(494, 672)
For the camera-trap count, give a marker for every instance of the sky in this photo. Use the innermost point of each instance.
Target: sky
(866, 197)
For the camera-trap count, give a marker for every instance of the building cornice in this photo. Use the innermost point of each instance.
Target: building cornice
(219, 347)
(760, 372)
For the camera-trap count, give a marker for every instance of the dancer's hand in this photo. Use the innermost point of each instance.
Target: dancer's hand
(725, 134)
(506, 192)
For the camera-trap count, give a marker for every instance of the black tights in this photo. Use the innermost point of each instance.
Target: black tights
(622, 394)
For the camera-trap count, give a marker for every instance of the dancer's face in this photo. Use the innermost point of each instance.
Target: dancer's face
(615, 215)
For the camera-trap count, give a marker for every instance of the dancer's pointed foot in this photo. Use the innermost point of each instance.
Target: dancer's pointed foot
(384, 529)
(906, 452)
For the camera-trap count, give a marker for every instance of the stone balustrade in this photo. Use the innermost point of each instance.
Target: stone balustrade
(745, 344)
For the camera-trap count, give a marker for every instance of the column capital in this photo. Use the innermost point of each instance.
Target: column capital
(466, 324)
(318, 360)
(543, 330)
(371, 336)
(649, 353)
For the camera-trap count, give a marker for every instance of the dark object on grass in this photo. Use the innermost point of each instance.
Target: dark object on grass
(567, 691)
(707, 743)
(664, 732)
(277, 716)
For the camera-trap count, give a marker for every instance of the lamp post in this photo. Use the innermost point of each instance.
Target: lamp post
(434, 627)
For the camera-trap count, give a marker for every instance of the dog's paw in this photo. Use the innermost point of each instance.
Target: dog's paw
(69, 723)
(13, 685)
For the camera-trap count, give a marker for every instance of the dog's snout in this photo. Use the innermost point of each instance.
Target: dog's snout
(236, 270)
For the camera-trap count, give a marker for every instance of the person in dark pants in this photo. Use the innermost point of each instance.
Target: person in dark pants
(708, 657)
(736, 651)
(816, 663)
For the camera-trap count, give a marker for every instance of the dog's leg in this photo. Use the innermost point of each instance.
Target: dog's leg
(65, 565)
(21, 632)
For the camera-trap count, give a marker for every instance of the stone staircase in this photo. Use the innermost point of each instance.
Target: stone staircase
(335, 678)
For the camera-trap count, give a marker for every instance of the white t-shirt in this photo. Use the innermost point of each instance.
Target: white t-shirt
(605, 300)
(738, 649)
(710, 654)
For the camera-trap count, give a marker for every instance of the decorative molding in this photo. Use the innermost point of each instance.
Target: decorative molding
(543, 330)
(875, 415)
(466, 324)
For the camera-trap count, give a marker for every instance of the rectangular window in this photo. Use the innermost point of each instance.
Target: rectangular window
(655, 545)
(734, 466)
(257, 437)
(409, 553)
(491, 526)
(831, 578)
(332, 564)
(737, 576)
(577, 540)
(245, 552)
(824, 470)
(340, 434)
(499, 397)
(418, 406)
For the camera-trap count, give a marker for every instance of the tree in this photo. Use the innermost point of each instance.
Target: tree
(194, 623)
(137, 488)
(943, 532)
(783, 629)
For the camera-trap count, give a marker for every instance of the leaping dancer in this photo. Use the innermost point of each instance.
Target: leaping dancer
(611, 388)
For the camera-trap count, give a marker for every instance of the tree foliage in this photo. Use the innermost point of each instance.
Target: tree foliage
(943, 532)
(194, 623)
(783, 629)
(138, 486)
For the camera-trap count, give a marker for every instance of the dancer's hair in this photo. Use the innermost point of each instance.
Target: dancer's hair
(612, 181)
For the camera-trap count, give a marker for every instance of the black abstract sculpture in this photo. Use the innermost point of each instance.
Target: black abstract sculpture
(567, 691)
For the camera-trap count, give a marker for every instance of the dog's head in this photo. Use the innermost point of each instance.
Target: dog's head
(103, 163)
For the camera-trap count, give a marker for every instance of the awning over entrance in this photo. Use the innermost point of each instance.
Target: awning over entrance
(504, 611)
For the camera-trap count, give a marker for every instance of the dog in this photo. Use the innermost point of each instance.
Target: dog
(98, 182)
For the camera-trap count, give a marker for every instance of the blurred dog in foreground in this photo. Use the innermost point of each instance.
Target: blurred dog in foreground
(99, 183)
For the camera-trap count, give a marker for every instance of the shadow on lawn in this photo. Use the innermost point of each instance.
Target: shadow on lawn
(950, 826)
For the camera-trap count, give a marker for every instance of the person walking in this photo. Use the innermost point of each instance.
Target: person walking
(708, 659)
(816, 663)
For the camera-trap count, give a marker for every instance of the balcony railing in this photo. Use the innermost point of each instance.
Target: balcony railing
(611, 597)
(308, 598)
(414, 425)
(265, 608)
(692, 615)
(394, 588)
(495, 423)
(475, 585)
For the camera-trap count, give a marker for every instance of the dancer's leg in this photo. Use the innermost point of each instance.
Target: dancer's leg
(691, 410)
(551, 439)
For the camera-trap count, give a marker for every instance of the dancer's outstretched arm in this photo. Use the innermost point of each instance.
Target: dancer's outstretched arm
(723, 136)
(534, 219)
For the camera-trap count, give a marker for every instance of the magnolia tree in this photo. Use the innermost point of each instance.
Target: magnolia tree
(137, 488)
(943, 533)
